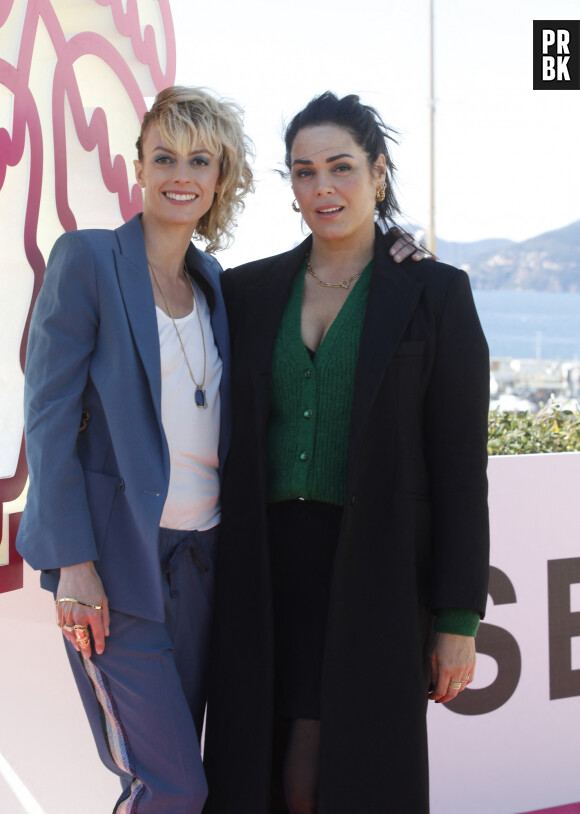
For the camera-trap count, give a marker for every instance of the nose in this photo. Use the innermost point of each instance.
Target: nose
(183, 171)
(324, 185)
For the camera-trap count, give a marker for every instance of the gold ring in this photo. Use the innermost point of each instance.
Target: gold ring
(68, 628)
(455, 685)
(80, 631)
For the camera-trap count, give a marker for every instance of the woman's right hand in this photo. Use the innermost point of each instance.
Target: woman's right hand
(81, 582)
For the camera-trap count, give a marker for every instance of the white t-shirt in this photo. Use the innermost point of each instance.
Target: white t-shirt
(192, 432)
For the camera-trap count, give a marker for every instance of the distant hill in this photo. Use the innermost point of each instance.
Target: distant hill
(548, 262)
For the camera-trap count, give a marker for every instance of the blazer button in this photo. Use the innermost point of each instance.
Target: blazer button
(121, 484)
(352, 499)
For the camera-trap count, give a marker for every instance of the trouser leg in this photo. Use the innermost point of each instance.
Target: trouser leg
(188, 613)
(142, 693)
(141, 720)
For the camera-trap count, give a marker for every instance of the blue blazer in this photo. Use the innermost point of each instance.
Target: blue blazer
(98, 494)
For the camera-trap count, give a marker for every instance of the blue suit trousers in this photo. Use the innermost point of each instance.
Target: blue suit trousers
(145, 695)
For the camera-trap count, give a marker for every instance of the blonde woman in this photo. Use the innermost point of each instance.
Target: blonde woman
(127, 428)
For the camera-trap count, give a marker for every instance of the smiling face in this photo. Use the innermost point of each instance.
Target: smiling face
(334, 184)
(180, 183)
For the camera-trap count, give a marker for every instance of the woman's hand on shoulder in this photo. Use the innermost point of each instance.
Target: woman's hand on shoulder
(407, 246)
(452, 661)
(79, 588)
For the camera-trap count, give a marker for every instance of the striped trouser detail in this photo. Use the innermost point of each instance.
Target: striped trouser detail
(115, 736)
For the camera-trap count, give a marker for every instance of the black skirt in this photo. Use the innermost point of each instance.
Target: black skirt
(303, 538)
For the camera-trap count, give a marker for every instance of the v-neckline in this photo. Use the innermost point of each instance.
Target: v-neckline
(361, 287)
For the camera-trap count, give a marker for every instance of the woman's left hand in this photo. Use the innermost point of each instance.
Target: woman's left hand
(452, 660)
(406, 245)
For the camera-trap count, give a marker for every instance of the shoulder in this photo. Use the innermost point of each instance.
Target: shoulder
(248, 273)
(81, 247)
(77, 252)
(440, 281)
(435, 274)
(205, 263)
(80, 238)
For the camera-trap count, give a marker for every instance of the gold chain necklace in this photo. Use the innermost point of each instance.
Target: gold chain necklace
(342, 284)
(200, 398)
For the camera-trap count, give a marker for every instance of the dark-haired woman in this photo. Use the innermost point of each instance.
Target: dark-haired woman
(353, 567)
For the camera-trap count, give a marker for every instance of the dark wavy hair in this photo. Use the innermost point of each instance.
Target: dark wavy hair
(365, 126)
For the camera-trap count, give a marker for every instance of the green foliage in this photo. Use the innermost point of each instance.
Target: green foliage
(551, 430)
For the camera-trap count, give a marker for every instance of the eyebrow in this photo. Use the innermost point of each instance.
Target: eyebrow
(329, 160)
(193, 152)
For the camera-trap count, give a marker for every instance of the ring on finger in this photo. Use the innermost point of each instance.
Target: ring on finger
(68, 628)
(84, 642)
(82, 635)
(455, 685)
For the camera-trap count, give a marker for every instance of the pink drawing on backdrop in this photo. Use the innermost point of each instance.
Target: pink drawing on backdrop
(93, 134)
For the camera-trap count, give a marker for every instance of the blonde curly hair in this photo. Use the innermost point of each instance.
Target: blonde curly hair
(186, 115)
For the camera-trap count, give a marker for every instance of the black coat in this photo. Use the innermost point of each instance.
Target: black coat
(414, 536)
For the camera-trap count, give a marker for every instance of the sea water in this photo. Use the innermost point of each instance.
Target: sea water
(530, 324)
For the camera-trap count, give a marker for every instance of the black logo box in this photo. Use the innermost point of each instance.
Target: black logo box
(556, 54)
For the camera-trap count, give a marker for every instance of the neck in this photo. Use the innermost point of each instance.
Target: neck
(166, 247)
(339, 256)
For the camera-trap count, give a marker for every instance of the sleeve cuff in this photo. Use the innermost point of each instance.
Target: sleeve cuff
(457, 620)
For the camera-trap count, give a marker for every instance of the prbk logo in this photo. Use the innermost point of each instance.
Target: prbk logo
(556, 54)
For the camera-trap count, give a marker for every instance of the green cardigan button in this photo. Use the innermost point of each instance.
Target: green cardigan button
(304, 455)
(307, 413)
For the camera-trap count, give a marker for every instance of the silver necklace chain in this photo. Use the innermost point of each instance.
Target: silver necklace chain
(200, 397)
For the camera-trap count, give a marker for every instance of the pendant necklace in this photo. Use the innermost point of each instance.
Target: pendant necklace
(342, 284)
(200, 399)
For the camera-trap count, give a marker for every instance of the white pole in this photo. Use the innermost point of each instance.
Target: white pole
(431, 238)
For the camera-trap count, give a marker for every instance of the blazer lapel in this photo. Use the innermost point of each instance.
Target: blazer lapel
(265, 299)
(205, 267)
(137, 293)
(392, 299)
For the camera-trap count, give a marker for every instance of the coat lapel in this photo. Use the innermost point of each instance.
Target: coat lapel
(204, 266)
(392, 299)
(266, 299)
(137, 292)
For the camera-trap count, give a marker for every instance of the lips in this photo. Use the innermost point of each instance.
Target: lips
(180, 196)
(329, 210)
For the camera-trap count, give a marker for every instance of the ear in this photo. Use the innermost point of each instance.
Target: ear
(139, 173)
(381, 168)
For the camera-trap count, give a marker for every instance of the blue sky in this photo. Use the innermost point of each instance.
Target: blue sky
(507, 162)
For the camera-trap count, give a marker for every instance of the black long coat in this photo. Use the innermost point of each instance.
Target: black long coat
(414, 537)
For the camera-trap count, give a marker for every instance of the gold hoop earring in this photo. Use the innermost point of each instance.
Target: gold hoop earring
(382, 192)
(295, 206)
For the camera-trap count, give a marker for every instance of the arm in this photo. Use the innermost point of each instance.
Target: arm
(57, 524)
(456, 413)
(57, 529)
